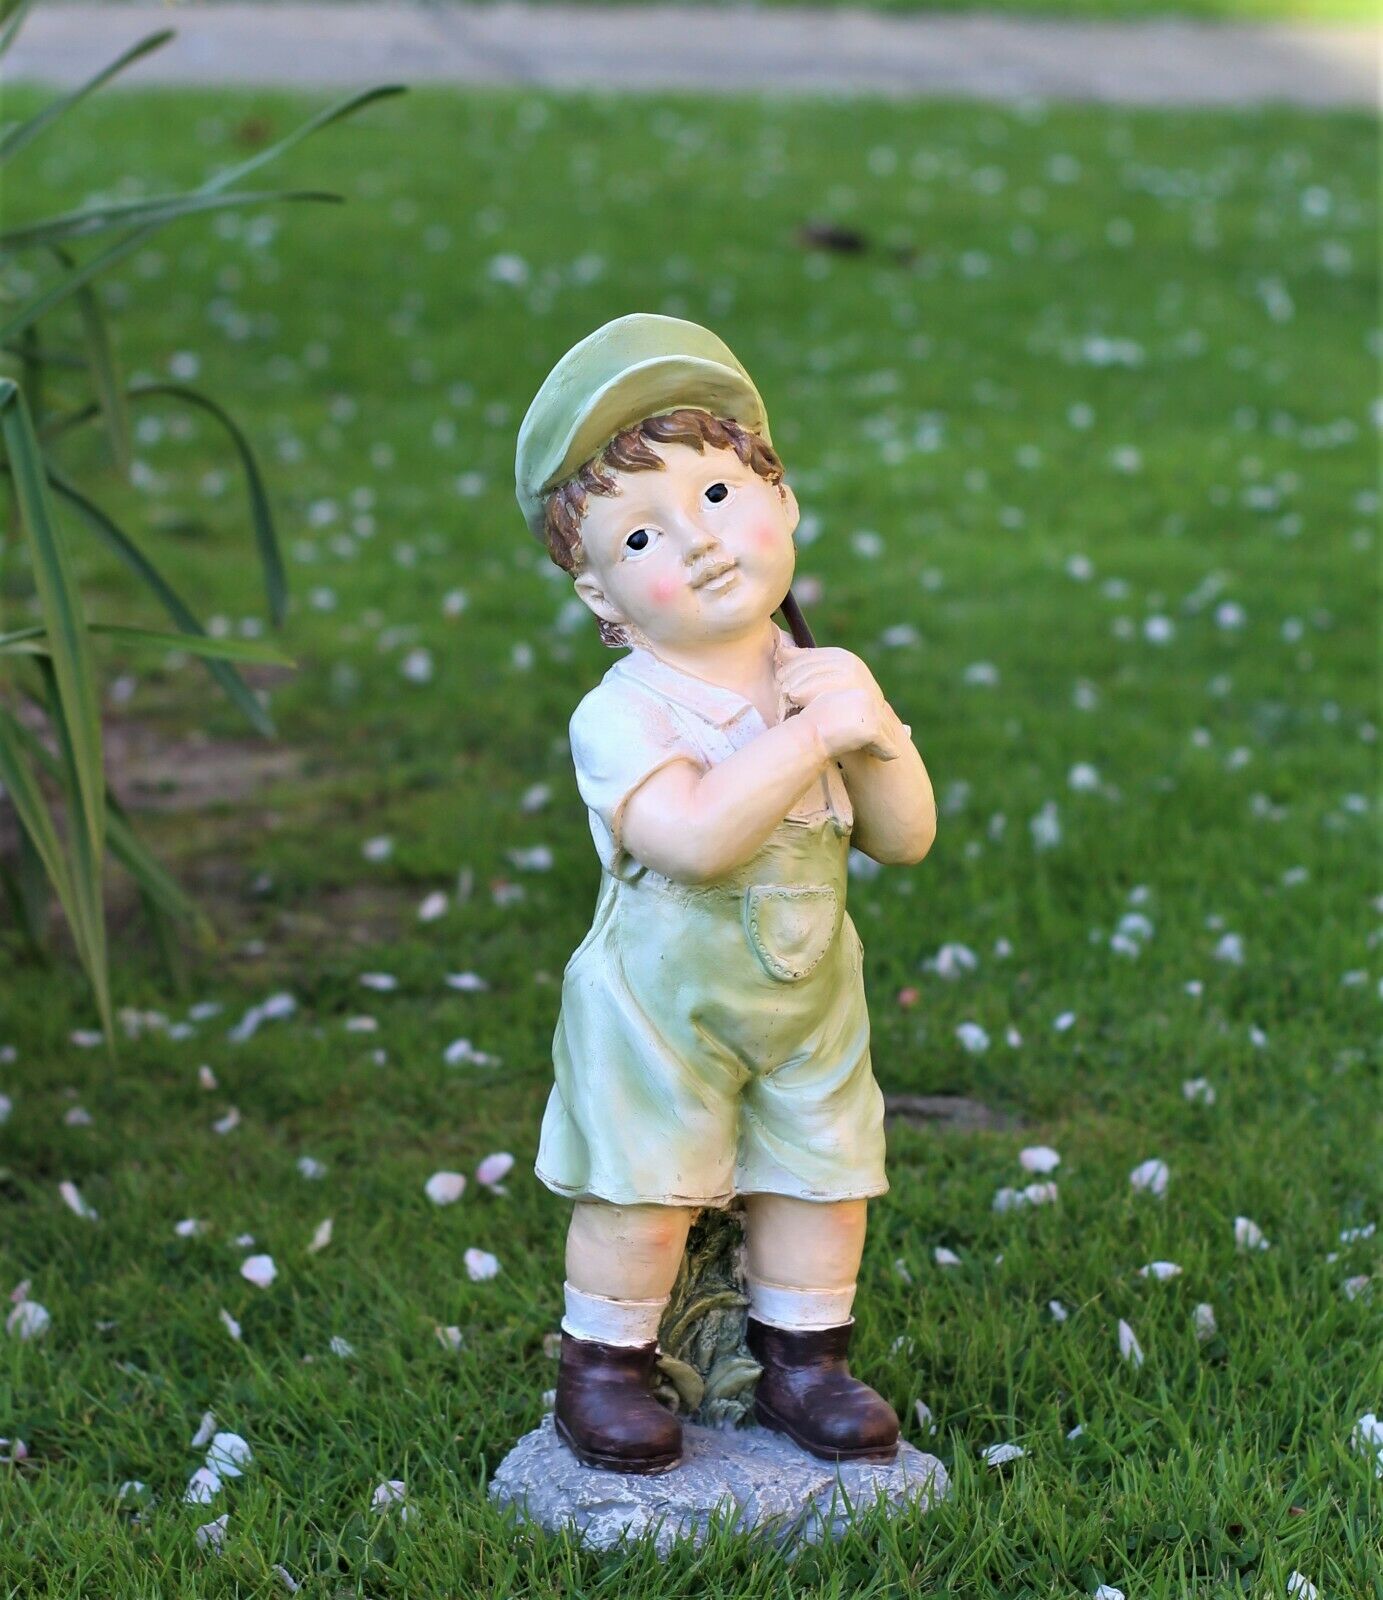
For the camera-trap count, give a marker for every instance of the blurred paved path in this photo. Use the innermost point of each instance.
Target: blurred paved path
(708, 49)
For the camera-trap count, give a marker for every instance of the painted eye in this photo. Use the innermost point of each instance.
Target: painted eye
(640, 539)
(717, 492)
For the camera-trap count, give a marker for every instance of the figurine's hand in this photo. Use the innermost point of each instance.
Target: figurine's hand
(808, 674)
(852, 719)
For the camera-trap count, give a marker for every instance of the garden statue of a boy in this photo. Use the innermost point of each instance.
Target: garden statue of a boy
(713, 1039)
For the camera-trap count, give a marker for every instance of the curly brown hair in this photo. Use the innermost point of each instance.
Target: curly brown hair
(629, 451)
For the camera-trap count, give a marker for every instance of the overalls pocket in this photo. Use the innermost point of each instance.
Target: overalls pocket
(790, 927)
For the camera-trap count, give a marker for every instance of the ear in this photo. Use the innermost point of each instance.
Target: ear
(794, 511)
(593, 597)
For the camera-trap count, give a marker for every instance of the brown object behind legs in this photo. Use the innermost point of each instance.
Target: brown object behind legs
(806, 1391)
(605, 1411)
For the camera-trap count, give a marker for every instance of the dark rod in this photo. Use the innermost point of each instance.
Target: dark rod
(797, 623)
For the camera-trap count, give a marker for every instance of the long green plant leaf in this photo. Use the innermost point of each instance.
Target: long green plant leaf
(26, 132)
(236, 690)
(75, 711)
(86, 847)
(12, 14)
(160, 209)
(65, 287)
(105, 373)
(125, 844)
(31, 808)
(262, 517)
(34, 641)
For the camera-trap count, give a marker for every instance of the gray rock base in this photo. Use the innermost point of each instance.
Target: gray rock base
(753, 1478)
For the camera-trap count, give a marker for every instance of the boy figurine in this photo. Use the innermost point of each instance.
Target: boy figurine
(713, 1038)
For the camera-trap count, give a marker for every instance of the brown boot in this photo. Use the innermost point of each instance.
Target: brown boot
(606, 1413)
(806, 1392)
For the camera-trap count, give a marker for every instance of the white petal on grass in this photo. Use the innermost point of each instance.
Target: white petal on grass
(445, 1188)
(380, 848)
(1367, 1439)
(1230, 949)
(206, 1078)
(232, 1327)
(433, 907)
(466, 982)
(1064, 1022)
(952, 961)
(72, 1199)
(311, 1168)
(1199, 1091)
(380, 982)
(229, 1455)
(1161, 1270)
(925, 1420)
(450, 1338)
(206, 1429)
(286, 1578)
(321, 1238)
(462, 1053)
(1129, 1347)
(227, 1124)
(1035, 1194)
(1077, 1431)
(1107, 1591)
(480, 1265)
(202, 1487)
(1248, 1235)
(1058, 1311)
(972, 1038)
(1150, 1177)
(1204, 1320)
(1300, 1587)
(1039, 1158)
(388, 1494)
(28, 1320)
(259, 1270)
(212, 1535)
(243, 1241)
(494, 1168)
(996, 1455)
(944, 1257)
(341, 1347)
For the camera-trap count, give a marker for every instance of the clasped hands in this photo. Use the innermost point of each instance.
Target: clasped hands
(837, 693)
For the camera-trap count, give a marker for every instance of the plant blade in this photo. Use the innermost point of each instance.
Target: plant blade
(153, 213)
(17, 138)
(270, 557)
(76, 714)
(236, 690)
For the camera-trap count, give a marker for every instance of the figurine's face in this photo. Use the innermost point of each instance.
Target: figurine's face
(699, 551)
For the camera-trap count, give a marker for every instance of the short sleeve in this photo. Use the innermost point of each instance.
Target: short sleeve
(620, 736)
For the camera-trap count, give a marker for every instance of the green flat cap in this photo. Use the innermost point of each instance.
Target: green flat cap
(634, 367)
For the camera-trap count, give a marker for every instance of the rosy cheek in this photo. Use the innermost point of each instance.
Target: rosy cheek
(767, 537)
(663, 591)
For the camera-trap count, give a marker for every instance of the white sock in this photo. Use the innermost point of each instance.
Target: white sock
(627, 1322)
(799, 1310)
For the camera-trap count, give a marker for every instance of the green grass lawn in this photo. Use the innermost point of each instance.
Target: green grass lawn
(1084, 439)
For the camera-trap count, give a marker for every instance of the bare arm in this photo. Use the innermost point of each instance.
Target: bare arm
(895, 810)
(695, 827)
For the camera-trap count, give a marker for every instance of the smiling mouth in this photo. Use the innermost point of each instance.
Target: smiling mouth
(713, 574)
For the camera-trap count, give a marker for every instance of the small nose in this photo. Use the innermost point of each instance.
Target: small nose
(700, 541)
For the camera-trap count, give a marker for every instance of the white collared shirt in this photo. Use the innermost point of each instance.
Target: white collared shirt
(644, 715)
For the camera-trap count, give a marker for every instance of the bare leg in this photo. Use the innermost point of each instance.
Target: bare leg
(626, 1252)
(805, 1244)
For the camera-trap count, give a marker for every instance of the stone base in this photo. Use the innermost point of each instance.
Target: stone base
(757, 1479)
